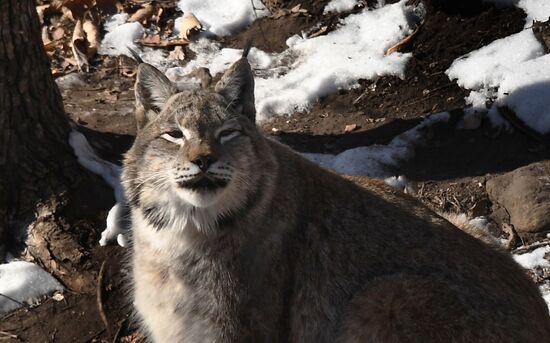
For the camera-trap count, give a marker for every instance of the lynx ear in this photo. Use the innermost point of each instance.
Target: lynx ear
(152, 88)
(237, 86)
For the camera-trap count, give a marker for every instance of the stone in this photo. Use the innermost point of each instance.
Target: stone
(525, 194)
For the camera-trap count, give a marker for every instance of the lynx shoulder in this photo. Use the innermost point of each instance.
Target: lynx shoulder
(236, 238)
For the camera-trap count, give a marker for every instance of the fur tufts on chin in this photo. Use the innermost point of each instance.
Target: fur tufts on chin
(200, 197)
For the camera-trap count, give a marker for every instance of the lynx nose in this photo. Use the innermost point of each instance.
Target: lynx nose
(204, 162)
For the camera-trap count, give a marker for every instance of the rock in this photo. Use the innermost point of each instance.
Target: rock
(350, 128)
(471, 121)
(525, 194)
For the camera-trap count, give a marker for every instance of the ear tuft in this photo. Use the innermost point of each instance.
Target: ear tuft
(152, 88)
(237, 86)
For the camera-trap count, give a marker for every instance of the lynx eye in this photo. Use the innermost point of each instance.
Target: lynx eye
(228, 134)
(174, 136)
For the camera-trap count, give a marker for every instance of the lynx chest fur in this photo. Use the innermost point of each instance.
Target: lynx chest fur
(236, 238)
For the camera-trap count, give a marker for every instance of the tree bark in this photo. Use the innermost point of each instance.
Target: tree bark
(36, 162)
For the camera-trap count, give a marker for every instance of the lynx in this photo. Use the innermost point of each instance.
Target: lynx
(236, 238)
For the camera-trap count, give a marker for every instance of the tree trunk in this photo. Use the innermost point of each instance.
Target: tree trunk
(37, 165)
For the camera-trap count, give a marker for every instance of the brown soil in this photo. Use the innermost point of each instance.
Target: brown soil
(448, 172)
(425, 89)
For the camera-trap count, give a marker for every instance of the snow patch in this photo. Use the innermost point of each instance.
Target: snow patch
(527, 92)
(120, 38)
(400, 182)
(324, 64)
(115, 21)
(291, 81)
(24, 282)
(535, 10)
(514, 72)
(376, 160)
(223, 18)
(208, 54)
(87, 157)
(338, 6)
(534, 258)
(487, 67)
(546, 297)
(545, 291)
(110, 172)
(116, 226)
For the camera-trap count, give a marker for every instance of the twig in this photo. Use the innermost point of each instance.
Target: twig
(430, 94)
(529, 248)
(457, 203)
(397, 46)
(360, 97)
(54, 334)
(117, 334)
(366, 90)
(441, 87)
(263, 3)
(12, 299)
(90, 89)
(99, 295)
(9, 335)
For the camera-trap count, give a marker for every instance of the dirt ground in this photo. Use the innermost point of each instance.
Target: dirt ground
(448, 172)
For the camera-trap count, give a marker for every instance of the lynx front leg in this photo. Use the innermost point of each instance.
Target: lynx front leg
(173, 312)
(156, 305)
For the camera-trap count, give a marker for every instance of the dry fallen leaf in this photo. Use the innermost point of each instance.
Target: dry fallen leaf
(294, 12)
(77, 9)
(189, 25)
(144, 14)
(298, 9)
(158, 15)
(79, 46)
(151, 40)
(402, 43)
(135, 337)
(156, 41)
(279, 14)
(351, 127)
(74, 9)
(48, 44)
(67, 13)
(92, 36)
(177, 54)
(58, 33)
(127, 66)
(319, 32)
(58, 296)
(41, 10)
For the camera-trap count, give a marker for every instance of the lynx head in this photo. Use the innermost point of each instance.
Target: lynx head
(196, 152)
